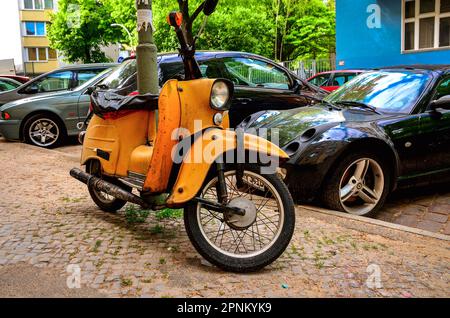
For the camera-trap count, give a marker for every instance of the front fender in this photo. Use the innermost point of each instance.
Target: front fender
(205, 151)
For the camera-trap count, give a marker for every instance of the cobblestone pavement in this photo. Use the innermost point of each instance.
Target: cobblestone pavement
(47, 220)
(426, 208)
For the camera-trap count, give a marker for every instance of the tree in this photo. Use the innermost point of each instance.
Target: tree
(79, 28)
(280, 29)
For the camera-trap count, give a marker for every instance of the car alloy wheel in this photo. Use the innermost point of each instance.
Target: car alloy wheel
(44, 132)
(361, 186)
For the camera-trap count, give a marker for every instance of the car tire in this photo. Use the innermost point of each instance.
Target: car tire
(44, 130)
(358, 184)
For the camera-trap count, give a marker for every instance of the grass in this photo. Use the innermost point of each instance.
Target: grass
(157, 229)
(135, 215)
(98, 243)
(125, 282)
(169, 214)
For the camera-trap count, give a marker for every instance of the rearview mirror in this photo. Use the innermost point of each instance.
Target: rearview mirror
(209, 6)
(443, 103)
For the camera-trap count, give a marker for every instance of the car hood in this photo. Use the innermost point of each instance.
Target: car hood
(294, 122)
(35, 98)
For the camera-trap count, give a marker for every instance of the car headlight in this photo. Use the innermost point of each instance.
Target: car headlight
(221, 94)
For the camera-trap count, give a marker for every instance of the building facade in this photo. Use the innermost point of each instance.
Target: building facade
(378, 33)
(34, 16)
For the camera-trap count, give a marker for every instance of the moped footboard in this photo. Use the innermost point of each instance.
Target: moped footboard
(217, 144)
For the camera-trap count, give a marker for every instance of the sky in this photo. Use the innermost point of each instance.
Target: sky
(10, 41)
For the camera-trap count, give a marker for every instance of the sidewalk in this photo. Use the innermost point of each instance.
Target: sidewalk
(47, 220)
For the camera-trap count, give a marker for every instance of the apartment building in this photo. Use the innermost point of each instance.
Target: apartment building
(34, 16)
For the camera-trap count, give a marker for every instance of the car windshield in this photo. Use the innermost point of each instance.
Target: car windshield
(120, 75)
(386, 91)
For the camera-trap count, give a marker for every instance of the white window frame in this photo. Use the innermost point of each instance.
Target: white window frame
(24, 28)
(47, 59)
(437, 15)
(22, 3)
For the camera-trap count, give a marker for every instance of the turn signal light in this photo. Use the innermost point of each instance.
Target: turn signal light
(5, 116)
(175, 19)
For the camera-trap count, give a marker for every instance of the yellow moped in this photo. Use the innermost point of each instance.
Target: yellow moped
(238, 213)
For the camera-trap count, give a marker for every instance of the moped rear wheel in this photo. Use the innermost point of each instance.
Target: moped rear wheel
(103, 200)
(243, 243)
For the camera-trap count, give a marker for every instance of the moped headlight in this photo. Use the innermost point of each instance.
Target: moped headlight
(221, 94)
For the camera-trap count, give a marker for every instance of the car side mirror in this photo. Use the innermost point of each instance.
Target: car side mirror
(297, 86)
(209, 6)
(32, 89)
(90, 90)
(441, 103)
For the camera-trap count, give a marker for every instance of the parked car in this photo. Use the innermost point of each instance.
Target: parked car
(384, 129)
(332, 80)
(259, 82)
(47, 119)
(62, 79)
(7, 84)
(20, 79)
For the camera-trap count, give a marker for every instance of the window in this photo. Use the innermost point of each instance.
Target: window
(54, 82)
(426, 24)
(251, 72)
(41, 54)
(37, 4)
(6, 85)
(86, 75)
(52, 55)
(34, 28)
(320, 80)
(341, 79)
(443, 89)
(48, 4)
(388, 91)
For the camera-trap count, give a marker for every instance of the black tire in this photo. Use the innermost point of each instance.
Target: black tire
(330, 195)
(57, 127)
(111, 206)
(248, 264)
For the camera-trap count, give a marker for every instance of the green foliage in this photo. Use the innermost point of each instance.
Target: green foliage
(169, 214)
(135, 215)
(280, 29)
(79, 28)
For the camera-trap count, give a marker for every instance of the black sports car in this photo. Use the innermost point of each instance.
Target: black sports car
(384, 129)
(259, 83)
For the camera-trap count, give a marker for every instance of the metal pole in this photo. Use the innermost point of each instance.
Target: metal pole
(146, 51)
(130, 38)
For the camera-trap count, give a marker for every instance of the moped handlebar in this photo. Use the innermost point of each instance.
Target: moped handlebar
(187, 52)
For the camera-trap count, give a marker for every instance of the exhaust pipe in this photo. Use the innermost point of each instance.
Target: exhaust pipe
(107, 187)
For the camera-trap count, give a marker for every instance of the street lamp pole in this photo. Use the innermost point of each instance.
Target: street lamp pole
(130, 38)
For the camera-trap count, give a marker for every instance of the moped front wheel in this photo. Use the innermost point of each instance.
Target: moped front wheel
(243, 243)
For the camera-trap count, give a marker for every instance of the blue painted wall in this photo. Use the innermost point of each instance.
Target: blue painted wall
(360, 47)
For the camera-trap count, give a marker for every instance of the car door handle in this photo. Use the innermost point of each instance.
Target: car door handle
(244, 100)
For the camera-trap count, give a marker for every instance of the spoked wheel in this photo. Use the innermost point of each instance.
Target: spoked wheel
(44, 130)
(249, 242)
(359, 185)
(103, 200)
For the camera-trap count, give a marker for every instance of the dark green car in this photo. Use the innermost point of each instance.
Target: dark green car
(47, 119)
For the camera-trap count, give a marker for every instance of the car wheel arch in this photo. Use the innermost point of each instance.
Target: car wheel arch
(376, 146)
(39, 112)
